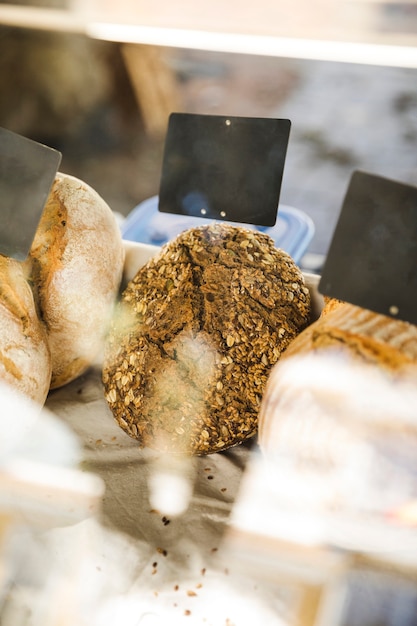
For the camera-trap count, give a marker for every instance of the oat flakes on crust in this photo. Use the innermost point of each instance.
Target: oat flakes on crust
(195, 336)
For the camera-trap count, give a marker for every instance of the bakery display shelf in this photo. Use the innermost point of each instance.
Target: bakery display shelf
(141, 561)
(354, 31)
(206, 556)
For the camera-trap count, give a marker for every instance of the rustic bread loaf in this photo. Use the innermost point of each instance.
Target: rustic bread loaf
(347, 380)
(25, 360)
(339, 437)
(77, 262)
(195, 336)
(363, 335)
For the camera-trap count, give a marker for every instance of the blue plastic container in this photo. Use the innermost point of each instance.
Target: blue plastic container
(292, 232)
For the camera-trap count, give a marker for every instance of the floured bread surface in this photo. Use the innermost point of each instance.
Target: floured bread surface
(362, 334)
(25, 361)
(339, 438)
(77, 257)
(195, 336)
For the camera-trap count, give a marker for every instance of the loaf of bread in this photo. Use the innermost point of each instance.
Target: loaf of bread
(195, 336)
(346, 343)
(334, 371)
(363, 335)
(76, 264)
(337, 424)
(338, 437)
(25, 360)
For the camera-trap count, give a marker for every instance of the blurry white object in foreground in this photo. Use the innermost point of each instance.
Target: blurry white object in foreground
(39, 479)
(337, 467)
(171, 483)
(40, 484)
(339, 437)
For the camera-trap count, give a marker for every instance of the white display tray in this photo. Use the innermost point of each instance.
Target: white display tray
(146, 566)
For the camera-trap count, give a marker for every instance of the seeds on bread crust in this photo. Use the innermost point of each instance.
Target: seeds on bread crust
(195, 336)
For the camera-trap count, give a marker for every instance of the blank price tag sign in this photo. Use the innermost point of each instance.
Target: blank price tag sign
(224, 168)
(372, 259)
(27, 171)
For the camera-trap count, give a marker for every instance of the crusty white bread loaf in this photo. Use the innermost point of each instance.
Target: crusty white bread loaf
(25, 360)
(361, 334)
(77, 262)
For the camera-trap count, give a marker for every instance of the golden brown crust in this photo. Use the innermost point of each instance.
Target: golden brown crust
(11, 276)
(365, 335)
(49, 243)
(77, 263)
(25, 361)
(197, 332)
(330, 304)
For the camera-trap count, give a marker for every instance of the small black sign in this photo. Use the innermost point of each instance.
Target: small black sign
(372, 259)
(27, 171)
(224, 168)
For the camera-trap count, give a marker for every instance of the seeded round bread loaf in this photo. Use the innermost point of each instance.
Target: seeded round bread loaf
(195, 336)
(25, 360)
(77, 262)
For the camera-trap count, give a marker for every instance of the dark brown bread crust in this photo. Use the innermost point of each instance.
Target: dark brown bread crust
(195, 336)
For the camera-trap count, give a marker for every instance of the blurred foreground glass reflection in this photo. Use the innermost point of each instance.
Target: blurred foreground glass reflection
(322, 531)
(326, 507)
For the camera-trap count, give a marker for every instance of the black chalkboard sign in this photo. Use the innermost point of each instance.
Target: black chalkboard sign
(372, 259)
(224, 168)
(27, 171)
